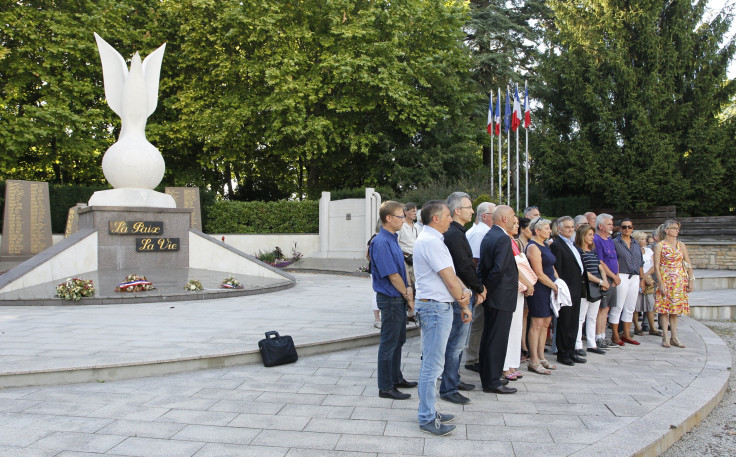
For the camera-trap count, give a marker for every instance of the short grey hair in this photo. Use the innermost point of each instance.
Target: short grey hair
(562, 219)
(538, 222)
(484, 208)
(430, 209)
(580, 220)
(455, 199)
(669, 223)
(601, 218)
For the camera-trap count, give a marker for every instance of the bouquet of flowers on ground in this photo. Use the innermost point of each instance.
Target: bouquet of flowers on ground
(193, 284)
(134, 283)
(75, 289)
(231, 283)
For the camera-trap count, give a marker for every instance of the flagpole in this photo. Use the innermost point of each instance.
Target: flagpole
(508, 150)
(526, 133)
(491, 157)
(500, 150)
(517, 168)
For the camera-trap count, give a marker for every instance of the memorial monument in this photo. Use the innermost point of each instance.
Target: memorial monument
(132, 229)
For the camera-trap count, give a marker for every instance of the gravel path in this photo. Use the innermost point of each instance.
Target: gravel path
(716, 435)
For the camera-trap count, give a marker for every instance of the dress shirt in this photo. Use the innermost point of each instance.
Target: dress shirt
(606, 252)
(386, 259)
(462, 257)
(430, 257)
(475, 236)
(408, 236)
(575, 252)
(630, 258)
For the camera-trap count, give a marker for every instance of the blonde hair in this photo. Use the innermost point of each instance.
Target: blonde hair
(639, 235)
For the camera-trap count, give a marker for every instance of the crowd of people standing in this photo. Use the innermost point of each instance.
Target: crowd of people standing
(496, 291)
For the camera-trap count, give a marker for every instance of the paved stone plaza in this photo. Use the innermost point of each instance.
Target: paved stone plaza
(630, 400)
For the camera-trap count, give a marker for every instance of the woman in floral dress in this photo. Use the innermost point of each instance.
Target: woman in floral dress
(675, 281)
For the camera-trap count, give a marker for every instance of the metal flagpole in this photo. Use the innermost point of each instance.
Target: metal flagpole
(508, 154)
(490, 104)
(526, 132)
(516, 95)
(500, 150)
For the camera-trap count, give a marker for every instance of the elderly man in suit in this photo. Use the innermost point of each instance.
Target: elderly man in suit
(569, 266)
(498, 272)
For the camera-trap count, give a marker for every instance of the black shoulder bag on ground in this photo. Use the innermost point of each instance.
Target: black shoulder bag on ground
(277, 350)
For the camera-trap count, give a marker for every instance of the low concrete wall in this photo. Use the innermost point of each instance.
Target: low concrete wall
(713, 255)
(306, 243)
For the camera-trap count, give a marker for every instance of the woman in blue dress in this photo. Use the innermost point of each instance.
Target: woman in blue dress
(543, 263)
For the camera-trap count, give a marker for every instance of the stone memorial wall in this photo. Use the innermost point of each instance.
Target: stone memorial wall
(188, 197)
(27, 219)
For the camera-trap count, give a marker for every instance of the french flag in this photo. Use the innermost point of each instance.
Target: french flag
(498, 113)
(516, 115)
(489, 125)
(527, 110)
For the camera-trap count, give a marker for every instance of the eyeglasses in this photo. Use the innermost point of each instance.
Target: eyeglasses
(400, 217)
(627, 227)
(674, 228)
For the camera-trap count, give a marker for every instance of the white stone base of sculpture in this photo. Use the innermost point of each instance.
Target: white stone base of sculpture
(128, 196)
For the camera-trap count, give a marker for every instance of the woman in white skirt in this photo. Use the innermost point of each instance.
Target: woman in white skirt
(645, 301)
(513, 349)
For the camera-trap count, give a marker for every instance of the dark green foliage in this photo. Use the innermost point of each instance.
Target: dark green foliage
(63, 197)
(631, 103)
(264, 217)
(565, 206)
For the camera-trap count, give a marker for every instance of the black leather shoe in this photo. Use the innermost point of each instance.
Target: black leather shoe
(499, 390)
(577, 359)
(393, 394)
(596, 351)
(473, 367)
(465, 386)
(580, 353)
(566, 361)
(406, 384)
(457, 398)
(503, 381)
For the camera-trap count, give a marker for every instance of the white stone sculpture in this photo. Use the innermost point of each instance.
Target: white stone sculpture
(132, 165)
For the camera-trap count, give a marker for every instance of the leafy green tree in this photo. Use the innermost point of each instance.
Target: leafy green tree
(54, 122)
(631, 95)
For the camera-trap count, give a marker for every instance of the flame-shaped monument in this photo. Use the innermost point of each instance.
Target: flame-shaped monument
(133, 166)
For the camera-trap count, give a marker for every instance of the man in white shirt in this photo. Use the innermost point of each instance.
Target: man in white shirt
(475, 235)
(437, 287)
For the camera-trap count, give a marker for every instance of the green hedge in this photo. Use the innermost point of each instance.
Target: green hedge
(264, 217)
(565, 206)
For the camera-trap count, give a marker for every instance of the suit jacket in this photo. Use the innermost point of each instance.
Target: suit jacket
(497, 270)
(568, 269)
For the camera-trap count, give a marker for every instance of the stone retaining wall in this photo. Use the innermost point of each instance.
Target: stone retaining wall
(713, 255)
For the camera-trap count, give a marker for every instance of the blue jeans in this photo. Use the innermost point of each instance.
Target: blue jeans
(435, 320)
(457, 341)
(393, 337)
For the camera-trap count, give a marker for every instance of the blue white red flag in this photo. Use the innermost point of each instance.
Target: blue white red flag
(516, 116)
(527, 110)
(507, 112)
(489, 124)
(498, 113)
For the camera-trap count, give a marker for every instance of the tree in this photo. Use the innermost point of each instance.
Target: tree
(630, 103)
(54, 123)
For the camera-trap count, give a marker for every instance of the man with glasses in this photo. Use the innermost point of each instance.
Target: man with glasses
(630, 262)
(474, 236)
(393, 295)
(461, 209)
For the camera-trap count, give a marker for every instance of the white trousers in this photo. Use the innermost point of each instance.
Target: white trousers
(626, 294)
(588, 315)
(513, 349)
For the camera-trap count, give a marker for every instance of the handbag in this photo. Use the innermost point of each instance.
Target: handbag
(277, 350)
(594, 291)
(525, 269)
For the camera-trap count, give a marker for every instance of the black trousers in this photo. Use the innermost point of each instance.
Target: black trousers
(567, 330)
(493, 344)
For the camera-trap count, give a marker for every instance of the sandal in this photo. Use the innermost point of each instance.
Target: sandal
(510, 376)
(675, 342)
(518, 374)
(547, 365)
(665, 343)
(655, 332)
(537, 368)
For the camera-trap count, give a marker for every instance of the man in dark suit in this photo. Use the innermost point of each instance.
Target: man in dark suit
(569, 266)
(498, 273)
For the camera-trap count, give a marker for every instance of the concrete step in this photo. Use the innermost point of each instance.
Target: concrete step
(713, 304)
